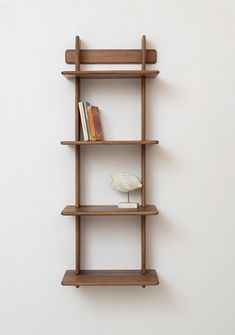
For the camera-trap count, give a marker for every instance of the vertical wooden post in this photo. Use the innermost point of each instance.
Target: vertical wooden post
(77, 157)
(143, 159)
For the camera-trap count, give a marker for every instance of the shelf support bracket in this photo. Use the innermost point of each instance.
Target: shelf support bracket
(143, 157)
(77, 159)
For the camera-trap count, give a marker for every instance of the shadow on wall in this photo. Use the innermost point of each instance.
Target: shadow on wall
(139, 297)
(161, 96)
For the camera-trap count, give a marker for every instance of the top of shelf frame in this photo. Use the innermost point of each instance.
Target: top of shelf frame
(79, 56)
(111, 56)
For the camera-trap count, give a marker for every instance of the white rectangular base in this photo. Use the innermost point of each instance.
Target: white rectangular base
(128, 205)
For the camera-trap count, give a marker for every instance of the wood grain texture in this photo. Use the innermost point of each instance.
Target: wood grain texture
(108, 210)
(143, 155)
(143, 244)
(77, 158)
(111, 74)
(114, 56)
(116, 142)
(143, 125)
(110, 278)
(77, 123)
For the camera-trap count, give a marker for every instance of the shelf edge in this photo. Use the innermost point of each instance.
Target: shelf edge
(117, 142)
(110, 278)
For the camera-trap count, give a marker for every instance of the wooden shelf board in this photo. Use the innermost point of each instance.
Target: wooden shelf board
(111, 74)
(118, 142)
(108, 211)
(110, 278)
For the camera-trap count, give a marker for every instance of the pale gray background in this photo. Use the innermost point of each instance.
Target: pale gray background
(190, 174)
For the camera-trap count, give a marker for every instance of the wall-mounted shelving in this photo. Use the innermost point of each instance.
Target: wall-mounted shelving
(78, 56)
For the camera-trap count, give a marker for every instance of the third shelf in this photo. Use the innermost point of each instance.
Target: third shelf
(108, 210)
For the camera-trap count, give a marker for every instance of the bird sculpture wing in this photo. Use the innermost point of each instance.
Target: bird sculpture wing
(125, 182)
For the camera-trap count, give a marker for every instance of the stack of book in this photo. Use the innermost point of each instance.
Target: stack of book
(90, 122)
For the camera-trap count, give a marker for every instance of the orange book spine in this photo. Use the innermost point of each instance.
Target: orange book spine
(91, 121)
(97, 123)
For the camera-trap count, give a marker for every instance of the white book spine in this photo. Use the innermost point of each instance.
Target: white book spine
(83, 121)
(85, 105)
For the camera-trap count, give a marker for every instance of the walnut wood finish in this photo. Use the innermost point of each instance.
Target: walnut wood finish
(111, 74)
(143, 158)
(118, 142)
(110, 278)
(143, 126)
(108, 210)
(77, 159)
(141, 56)
(106, 56)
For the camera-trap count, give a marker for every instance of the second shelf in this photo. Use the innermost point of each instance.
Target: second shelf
(115, 142)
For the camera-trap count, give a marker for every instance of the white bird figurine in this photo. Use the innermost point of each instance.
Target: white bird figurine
(125, 182)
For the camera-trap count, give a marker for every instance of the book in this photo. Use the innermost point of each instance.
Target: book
(83, 121)
(85, 107)
(95, 123)
(128, 205)
(91, 122)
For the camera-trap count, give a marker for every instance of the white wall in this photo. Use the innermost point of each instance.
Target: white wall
(190, 174)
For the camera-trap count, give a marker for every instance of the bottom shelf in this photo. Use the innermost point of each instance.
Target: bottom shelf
(110, 278)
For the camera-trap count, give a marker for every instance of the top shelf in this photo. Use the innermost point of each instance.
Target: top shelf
(112, 74)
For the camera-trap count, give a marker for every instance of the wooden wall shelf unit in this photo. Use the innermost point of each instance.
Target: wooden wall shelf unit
(78, 56)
